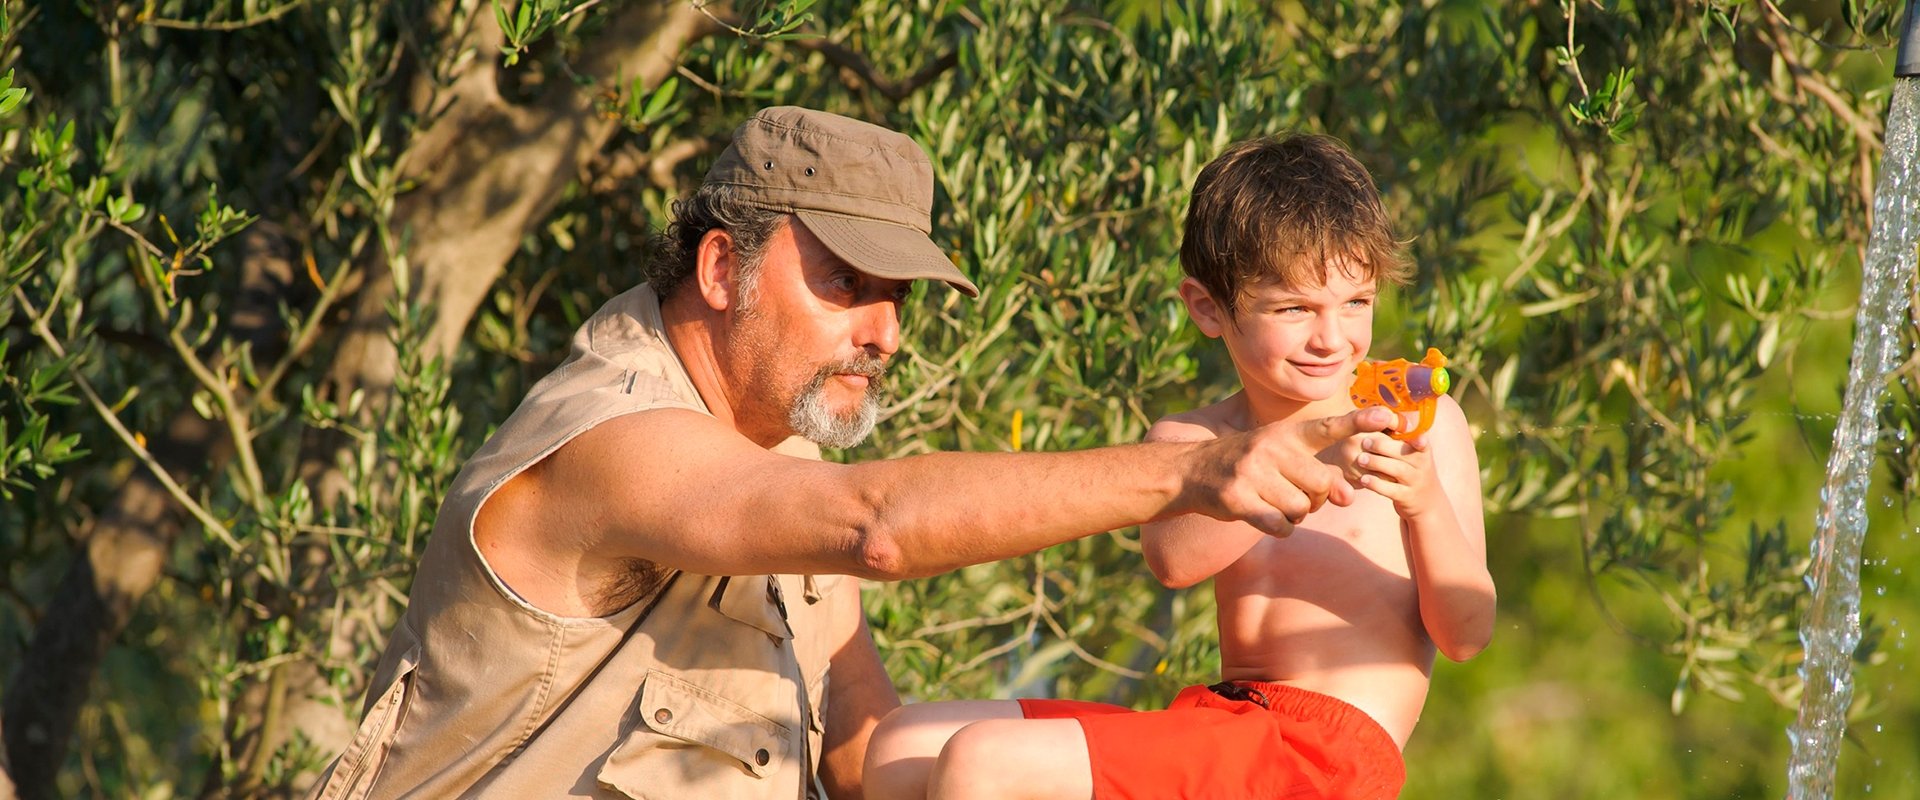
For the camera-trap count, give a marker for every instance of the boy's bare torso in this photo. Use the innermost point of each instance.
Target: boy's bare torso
(1331, 608)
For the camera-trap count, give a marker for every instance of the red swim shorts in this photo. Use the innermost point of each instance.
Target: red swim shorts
(1267, 740)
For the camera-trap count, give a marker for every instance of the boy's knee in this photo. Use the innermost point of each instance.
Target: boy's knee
(982, 755)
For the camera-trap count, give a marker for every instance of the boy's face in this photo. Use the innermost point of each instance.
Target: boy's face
(1293, 342)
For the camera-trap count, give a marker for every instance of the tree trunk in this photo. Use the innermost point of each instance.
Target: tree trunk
(121, 559)
(489, 172)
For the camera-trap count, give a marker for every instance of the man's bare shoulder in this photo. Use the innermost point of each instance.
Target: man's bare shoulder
(1200, 424)
(573, 531)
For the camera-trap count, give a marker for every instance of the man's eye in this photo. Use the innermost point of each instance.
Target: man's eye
(901, 294)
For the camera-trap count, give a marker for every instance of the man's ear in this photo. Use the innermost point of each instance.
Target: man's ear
(1206, 313)
(713, 269)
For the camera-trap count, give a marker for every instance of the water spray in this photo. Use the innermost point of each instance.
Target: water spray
(1830, 629)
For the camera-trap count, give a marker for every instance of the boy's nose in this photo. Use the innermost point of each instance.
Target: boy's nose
(1326, 333)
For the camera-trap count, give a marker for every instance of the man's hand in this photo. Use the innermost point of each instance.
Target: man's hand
(1271, 477)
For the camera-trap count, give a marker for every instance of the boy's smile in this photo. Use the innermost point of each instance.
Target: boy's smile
(1293, 345)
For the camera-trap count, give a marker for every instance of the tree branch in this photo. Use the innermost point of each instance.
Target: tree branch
(856, 64)
(615, 169)
(1863, 128)
(487, 171)
(230, 25)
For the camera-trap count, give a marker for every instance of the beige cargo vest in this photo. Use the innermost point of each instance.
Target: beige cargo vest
(711, 688)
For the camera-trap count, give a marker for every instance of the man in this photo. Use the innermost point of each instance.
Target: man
(635, 588)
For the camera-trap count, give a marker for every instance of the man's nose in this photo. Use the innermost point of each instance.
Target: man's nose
(878, 330)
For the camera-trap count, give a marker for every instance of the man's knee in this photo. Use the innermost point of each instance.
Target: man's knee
(905, 732)
(901, 753)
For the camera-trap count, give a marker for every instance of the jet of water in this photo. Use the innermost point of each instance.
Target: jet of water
(1831, 629)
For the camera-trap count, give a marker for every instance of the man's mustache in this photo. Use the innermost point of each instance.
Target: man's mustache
(871, 367)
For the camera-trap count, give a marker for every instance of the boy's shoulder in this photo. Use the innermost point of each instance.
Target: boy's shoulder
(1224, 418)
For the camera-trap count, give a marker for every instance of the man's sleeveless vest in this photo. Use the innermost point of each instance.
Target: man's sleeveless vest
(709, 688)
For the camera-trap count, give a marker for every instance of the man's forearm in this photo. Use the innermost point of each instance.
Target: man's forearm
(859, 694)
(934, 513)
(1188, 549)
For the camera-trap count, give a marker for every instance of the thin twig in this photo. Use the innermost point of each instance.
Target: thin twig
(126, 437)
(576, 10)
(1775, 10)
(1573, 55)
(240, 24)
(1090, 658)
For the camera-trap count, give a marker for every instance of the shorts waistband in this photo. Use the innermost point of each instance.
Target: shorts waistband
(1295, 701)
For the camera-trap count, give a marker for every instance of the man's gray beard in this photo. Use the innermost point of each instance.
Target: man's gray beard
(812, 419)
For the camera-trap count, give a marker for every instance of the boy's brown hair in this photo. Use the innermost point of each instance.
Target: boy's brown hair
(1276, 209)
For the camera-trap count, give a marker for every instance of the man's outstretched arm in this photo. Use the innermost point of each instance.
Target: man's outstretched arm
(681, 490)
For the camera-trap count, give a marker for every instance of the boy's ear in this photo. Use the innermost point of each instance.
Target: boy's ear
(713, 269)
(1206, 313)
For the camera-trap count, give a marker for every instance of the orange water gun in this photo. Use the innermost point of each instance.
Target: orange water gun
(1404, 387)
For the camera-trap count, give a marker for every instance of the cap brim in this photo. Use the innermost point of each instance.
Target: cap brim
(885, 250)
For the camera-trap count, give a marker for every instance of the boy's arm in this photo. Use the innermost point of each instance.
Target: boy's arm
(1444, 529)
(1188, 549)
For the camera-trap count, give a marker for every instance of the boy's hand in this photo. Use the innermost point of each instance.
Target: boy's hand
(1346, 456)
(1402, 472)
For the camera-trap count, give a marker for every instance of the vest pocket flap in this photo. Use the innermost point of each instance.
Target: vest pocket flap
(755, 600)
(676, 708)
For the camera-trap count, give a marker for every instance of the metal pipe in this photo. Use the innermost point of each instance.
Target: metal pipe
(1907, 64)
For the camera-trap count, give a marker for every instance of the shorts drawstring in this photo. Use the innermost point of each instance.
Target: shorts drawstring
(1244, 694)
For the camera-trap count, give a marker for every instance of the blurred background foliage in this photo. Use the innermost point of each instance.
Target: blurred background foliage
(269, 270)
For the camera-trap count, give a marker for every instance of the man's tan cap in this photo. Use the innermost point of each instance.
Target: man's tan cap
(864, 191)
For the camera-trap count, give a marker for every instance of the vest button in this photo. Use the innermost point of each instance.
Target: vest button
(663, 716)
(762, 757)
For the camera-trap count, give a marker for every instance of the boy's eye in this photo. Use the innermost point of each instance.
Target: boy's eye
(1360, 302)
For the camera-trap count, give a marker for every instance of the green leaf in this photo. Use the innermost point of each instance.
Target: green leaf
(1769, 342)
(11, 99)
(657, 104)
(1561, 303)
(203, 404)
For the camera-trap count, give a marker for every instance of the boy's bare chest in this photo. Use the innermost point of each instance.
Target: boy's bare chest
(1335, 548)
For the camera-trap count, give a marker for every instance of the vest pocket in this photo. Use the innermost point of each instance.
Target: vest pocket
(692, 742)
(353, 773)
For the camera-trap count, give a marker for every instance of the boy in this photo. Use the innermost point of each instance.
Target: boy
(1327, 636)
